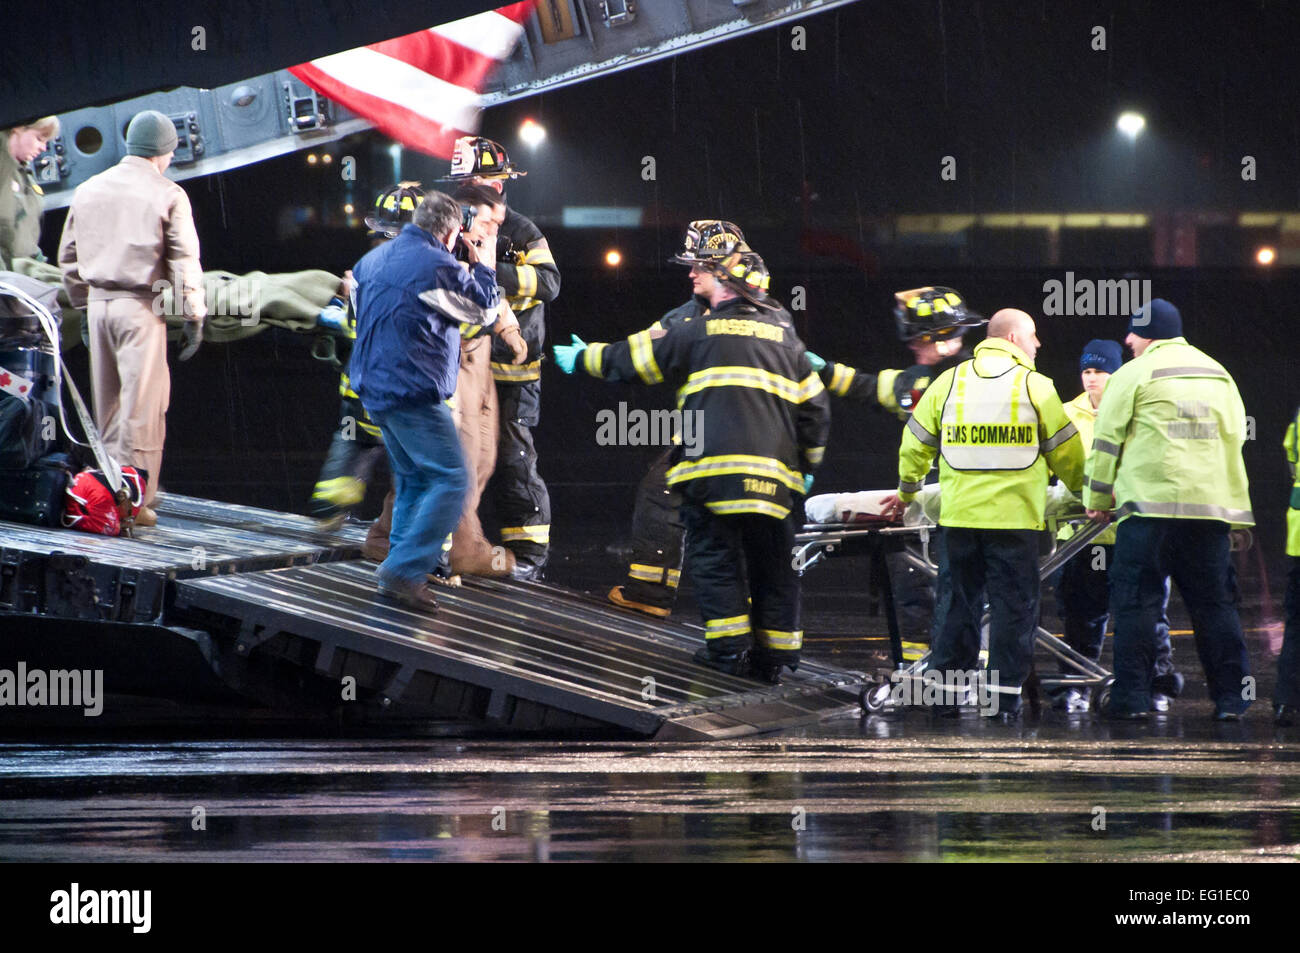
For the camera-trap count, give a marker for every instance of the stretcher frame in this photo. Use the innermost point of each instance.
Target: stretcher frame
(817, 541)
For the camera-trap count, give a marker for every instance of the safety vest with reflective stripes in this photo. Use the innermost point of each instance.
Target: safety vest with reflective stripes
(1001, 480)
(989, 423)
(1292, 446)
(1168, 439)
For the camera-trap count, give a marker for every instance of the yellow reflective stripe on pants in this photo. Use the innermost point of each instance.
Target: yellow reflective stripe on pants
(759, 507)
(646, 573)
(726, 628)
(776, 639)
(674, 577)
(515, 373)
(532, 534)
(341, 491)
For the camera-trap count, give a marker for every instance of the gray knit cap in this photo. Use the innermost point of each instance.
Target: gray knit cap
(150, 134)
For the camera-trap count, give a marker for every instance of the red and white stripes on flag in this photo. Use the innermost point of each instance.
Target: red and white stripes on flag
(421, 89)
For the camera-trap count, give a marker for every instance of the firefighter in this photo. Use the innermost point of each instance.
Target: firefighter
(997, 425)
(1166, 460)
(764, 417)
(932, 322)
(1082, 590)
(358, 447)
(1286, 693)
(657, 529)
(528, 275)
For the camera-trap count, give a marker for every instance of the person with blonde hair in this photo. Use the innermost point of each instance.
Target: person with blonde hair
(21, 199)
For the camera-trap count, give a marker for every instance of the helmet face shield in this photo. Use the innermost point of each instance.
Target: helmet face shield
(707, 239)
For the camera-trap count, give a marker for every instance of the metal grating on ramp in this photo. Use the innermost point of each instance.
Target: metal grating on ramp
(523, 655)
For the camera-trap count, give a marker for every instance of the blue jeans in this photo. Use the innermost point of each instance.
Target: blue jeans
(1195, 553)
(429, 472)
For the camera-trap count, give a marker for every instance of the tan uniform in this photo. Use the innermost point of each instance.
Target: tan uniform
(21, 206)
(130, 234)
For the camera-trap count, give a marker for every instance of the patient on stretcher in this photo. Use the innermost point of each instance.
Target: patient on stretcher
(869, 506)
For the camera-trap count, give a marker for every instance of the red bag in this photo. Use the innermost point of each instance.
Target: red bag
(91, 506)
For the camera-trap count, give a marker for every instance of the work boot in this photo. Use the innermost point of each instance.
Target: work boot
(766, 666)
(730, 663)
(1159, 703)
(146, 517)
(616, 596)
(413, 595)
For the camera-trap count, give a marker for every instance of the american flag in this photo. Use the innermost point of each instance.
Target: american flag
(421, 89)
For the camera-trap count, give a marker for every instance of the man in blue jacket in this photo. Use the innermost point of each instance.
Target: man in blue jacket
(411, 297)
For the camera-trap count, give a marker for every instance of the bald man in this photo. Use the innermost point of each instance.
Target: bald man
(998, 426)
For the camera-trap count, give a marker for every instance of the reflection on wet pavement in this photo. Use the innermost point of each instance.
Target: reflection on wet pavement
(897, 789)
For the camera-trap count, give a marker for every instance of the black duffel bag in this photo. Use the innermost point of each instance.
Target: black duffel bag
(36, 494)
(23, 428)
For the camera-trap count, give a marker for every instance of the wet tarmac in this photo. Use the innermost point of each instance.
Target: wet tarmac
(905, 787)
(894, 790)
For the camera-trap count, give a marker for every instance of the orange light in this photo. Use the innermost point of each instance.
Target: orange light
(327, 158)
(348, 208)
(311, 158)
(613, 258)
(532, 133)
(1266, 255)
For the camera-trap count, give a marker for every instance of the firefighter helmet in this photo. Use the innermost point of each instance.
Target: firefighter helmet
(742, 270)
(709, 238)
(394, 207)
(474, 156)
(933, 314)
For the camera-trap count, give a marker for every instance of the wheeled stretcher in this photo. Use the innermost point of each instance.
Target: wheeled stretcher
(851, 525)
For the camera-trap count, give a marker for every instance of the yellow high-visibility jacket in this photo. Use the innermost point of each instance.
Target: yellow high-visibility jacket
(1168, 439)
(998, 425)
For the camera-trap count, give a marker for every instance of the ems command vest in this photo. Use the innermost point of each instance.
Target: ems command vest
(989, 423)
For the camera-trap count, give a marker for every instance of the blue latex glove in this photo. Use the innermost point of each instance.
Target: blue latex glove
(566, 355)
(817, 362)
(807, 483)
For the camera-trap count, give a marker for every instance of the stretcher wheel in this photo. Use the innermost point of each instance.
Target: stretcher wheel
(874, 698)
(1101, 695)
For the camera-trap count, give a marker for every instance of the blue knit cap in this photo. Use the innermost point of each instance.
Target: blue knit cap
(1157, 321)
(1101, 355)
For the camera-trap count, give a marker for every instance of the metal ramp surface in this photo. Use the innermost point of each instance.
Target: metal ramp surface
(75, 575)
(525, 656)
